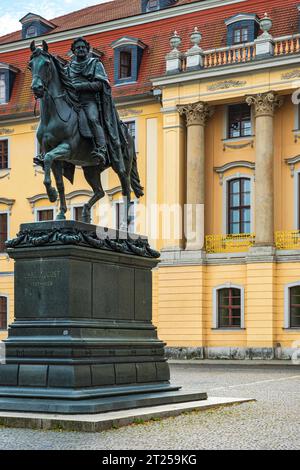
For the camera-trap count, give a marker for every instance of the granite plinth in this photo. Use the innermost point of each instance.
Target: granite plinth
(83, 340)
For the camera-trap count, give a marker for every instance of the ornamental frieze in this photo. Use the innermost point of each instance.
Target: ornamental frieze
(226, 84)
(129, 112)
(291, 75)
(5, 131)
(196, 113)
(265, 103)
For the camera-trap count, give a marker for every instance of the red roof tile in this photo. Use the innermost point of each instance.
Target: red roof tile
(156, 36)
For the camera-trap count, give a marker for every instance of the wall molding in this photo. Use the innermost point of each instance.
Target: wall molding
(220, 170)
(7, 202)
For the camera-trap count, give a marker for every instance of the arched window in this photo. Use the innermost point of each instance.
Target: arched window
(239, 206)
(228, 306)
(3, 313)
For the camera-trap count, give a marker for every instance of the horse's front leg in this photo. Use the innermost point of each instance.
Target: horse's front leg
(58, 175)
(60, 152)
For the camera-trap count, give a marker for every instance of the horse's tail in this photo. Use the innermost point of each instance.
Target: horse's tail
(131, 161)
(134, 174)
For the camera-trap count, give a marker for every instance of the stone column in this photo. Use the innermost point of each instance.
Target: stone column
(196, 115)
(264, 106)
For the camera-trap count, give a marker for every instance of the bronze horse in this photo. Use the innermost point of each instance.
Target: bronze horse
(62, 144)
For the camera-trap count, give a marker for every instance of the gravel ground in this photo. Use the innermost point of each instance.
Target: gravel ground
(273, 422)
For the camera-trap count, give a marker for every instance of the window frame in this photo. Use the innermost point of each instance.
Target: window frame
(297, 199)
(8, 153)
(29, 36)
(78, 206)
(130, 53)
(7, 311)
(40, 209)
(240, 208)
(240, 29)
(7, 227)
(135, 121)
(228, 122)
(148, 9)
(5, 87)
(287, 305)
(225, 228)
(215, 320)
(115, 220)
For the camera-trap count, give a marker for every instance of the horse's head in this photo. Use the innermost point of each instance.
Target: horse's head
(40, 66)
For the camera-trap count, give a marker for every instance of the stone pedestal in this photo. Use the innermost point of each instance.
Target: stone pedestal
(82, 340)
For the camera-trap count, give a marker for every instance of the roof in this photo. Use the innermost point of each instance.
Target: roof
(95, 14)
(156, 37)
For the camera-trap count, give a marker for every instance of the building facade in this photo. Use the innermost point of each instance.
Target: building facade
(209, 89)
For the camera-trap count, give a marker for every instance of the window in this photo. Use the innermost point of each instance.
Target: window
(45, 214)
(77, 213)
(2, 88)
(239, 121)
(240, 35)
(229, 308)
(31, 32)
(295, 307)
(152, 5)
(3, 313)
(3, 231)
(239, 206)
(120, 216)
(132, 129)
(3, 154)
(125, 64)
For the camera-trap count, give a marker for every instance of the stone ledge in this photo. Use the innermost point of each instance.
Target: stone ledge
(229, 353)
(105, 421)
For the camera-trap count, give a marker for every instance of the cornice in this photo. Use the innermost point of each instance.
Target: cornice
(121, 23)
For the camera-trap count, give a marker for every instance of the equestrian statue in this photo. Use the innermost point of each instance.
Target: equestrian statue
(79, 125)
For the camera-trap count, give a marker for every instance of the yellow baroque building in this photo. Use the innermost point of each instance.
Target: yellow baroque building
(220, 132)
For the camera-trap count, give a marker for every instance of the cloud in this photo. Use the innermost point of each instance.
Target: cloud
(8, 23)
(9, 20)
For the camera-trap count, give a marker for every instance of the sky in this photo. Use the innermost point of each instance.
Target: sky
(12, 10)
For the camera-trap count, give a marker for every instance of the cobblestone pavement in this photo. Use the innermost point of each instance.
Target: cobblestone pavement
(273, 422)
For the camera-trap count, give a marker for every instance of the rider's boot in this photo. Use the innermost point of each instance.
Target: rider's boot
(99, 154)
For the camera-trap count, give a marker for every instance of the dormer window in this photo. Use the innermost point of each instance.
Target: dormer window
(242, 28)
(154, 5)
(7, 77)
(2, 88)
(35, 25)
(128, 57)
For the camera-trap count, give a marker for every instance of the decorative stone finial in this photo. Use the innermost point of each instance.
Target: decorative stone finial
(175, 41)
(174, 58)
(196, 37)
(194, 56)
(266, 24)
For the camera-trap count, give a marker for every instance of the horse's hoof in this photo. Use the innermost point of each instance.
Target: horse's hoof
(52, 193)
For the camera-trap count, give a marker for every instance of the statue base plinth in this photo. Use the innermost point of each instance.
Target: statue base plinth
(82, 340)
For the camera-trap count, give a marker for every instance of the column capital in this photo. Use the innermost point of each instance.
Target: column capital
(196, 114)
(265, 103)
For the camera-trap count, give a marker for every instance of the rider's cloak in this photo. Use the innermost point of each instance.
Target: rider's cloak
(92, 70)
